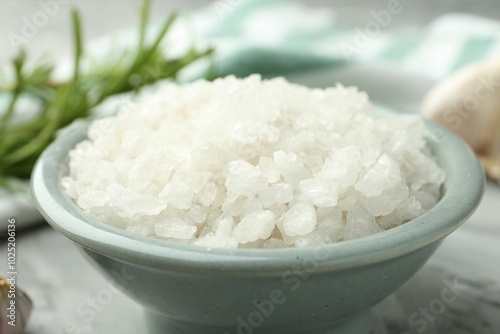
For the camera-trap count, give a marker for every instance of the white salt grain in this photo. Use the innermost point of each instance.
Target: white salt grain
(130, 203)
(299, 220)
(256, 226)
(212, 241)
(93, 199)
(141, 229)
(322, 193)
(175, 228)
(291, 167)
(278, 193)
(382, 175)
(224, 227)
(269, 169)
(245, 163)
(360, 223)
(245, 179)
(197, 214)
(207, 194)
(176, 194)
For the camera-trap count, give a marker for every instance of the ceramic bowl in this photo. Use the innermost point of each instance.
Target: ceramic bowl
(327, 289)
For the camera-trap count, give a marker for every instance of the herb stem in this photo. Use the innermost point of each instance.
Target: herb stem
(78, 44)
(62, 102)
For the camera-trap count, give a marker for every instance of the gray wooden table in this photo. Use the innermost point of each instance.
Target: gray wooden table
(61, 282)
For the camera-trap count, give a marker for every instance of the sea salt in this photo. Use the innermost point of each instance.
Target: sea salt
(299, 220)
(252, 163)
(278, 193)
(360, 223)
(256, 226)
(175, 228)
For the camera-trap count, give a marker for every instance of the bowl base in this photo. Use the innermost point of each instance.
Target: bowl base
(158, 324)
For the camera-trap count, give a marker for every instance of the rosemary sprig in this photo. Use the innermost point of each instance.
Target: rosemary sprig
(63, 102)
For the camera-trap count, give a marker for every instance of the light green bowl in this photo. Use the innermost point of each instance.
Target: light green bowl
(312, 290)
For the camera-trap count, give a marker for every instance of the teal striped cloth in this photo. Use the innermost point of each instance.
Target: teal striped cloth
(275, 37)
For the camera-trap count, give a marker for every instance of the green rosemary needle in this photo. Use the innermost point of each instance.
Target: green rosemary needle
(63, 102)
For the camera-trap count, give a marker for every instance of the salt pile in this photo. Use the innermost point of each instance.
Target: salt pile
(251, 163)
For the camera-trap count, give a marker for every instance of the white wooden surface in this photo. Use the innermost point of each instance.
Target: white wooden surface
(59, 279)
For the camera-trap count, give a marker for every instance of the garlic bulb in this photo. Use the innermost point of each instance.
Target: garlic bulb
(492, 166)
(468, 103)
(16, 307)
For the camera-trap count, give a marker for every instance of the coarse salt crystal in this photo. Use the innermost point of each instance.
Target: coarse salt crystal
(256, 226)
(246, 163)
(300, 219)
(245, 179)
(93, 199)
(269, 169)
(360, 223)
(212, 241)
(175, 228)
(321, 193)
(384, 174)
(278, 193)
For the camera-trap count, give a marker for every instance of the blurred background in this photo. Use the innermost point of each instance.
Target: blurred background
(102, 17)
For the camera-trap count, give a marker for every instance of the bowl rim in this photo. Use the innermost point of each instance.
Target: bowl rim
(464, 175)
